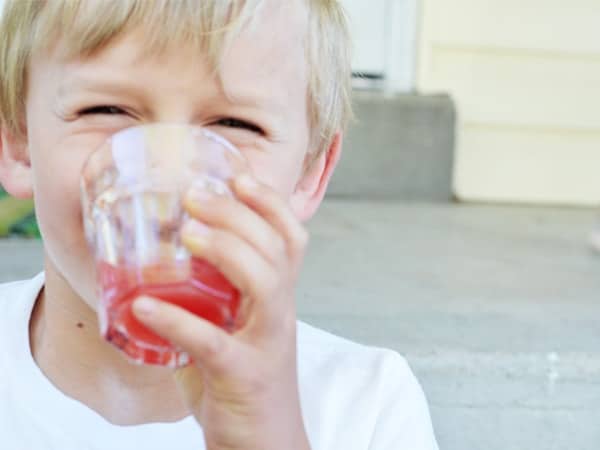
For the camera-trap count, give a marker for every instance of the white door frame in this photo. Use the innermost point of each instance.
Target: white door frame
(396, 36)
(401, 42)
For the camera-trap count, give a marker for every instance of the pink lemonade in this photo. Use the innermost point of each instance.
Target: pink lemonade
(202, 290)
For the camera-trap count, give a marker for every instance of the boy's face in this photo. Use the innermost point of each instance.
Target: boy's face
(73, 106)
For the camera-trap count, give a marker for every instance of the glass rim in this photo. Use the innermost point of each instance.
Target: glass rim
(196, 130)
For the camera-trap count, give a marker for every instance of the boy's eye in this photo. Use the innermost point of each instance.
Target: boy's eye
(228, 122)
(102, 109)
(236, 123)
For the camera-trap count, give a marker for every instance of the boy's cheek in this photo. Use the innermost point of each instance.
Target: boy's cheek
(280, 174)
(58, 209)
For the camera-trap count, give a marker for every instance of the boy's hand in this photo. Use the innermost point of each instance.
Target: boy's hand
(243, 389)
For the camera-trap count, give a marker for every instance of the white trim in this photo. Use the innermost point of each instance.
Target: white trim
(385, 42)
(401, 45)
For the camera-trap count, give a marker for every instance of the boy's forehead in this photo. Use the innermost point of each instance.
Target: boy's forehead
(274, 43)
(269, 49)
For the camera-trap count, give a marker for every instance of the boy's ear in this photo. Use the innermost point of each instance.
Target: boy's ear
(15, 167)
(312, 186)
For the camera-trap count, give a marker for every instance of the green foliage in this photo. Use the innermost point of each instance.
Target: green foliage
(17, 217)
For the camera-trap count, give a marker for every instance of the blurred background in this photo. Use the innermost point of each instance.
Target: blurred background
(457, 228)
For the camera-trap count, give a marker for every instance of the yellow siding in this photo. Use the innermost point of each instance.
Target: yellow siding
(526, 79)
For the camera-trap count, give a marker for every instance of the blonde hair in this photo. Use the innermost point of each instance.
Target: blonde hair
(86, 26)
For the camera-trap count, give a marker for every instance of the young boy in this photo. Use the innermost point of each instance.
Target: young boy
(272, 77)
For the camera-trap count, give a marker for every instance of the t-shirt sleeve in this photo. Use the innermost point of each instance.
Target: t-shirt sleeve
(403, 422)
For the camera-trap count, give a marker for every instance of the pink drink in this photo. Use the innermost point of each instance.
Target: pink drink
(206, 293)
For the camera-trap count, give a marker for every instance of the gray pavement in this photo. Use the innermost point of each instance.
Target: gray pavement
(496, 309)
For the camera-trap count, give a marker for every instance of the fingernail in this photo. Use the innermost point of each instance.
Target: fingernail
(144, 307)
(196, 195)
(246, 182)
(195, 229)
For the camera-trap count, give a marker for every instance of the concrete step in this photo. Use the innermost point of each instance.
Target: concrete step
(401, 147)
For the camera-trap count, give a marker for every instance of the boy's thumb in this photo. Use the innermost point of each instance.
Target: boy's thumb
(190, 383)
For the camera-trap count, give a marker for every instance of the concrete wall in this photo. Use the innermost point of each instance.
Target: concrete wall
(400, 147)
(526, 80)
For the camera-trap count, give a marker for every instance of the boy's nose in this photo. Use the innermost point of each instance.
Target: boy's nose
(174, 114)
(173, 105)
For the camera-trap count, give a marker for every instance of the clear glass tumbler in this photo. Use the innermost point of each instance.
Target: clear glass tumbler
(131, 190)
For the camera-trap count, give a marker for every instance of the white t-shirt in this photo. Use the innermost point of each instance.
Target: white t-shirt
(353, 397)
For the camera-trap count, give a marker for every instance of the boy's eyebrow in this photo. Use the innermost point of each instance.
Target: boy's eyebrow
(76, 84)
(124, 86)
(244, 98)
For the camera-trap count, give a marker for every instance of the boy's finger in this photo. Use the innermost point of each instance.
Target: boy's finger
(229, 214)
(268, 204)
(237, 260)
(208, 345)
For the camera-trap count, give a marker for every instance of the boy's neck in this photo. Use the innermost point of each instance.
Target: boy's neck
(67, 347)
